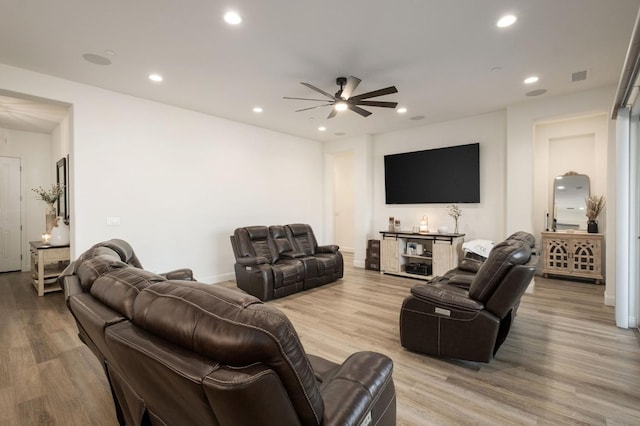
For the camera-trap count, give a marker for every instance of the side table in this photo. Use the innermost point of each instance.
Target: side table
(47, 262)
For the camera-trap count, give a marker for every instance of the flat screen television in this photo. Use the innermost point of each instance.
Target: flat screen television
(442, 175)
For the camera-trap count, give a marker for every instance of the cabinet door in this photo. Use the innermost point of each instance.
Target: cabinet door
(389, 253)
(586, 256)
(556, 254)
(443, 257)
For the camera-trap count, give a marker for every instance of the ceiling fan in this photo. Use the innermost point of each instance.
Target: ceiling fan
(343, 100)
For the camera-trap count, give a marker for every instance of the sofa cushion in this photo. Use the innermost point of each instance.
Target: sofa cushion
(503, 256)
(118, 288)
(235, 329)
(90, 269)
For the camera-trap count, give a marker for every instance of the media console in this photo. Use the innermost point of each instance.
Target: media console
(418, 255)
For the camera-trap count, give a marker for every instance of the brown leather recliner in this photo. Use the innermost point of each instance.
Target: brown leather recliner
(182, 352)
(329, 261)
(442, 319)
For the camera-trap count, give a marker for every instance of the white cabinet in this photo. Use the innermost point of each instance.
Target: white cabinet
(573, 254)
(420, 256)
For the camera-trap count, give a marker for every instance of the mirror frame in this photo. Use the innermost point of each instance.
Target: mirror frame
(555, 207)
(61, 178)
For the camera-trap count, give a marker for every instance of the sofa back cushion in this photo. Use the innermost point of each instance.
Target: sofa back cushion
(124, 250)
(523, 236)
(256, 241)
(302, 236)
(89, 269)
(279, 235)
(234, 329)
(501, 259)
(118, 288)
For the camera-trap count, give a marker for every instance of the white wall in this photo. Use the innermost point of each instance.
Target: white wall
(484, 220)
(179, 181)
(34, 151)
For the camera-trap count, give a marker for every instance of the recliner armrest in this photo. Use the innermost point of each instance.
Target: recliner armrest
(446, 296)
(292, 255)
(461, 281)
(251, 260)
(359, 391)
(183, 274)
(328, 249)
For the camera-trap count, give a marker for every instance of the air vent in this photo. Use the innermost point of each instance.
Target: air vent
(579, 76)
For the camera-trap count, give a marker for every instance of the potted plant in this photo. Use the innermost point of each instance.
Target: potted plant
(595, 205)
(455, 212)
(50, 197)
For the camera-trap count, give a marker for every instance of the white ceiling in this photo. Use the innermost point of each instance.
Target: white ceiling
(446, 57)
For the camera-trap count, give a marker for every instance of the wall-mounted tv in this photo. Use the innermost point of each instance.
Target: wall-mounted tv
(442, 175)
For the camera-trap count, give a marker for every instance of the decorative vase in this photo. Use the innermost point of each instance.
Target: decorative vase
(455, 231)
(59, 233)
(592, 226)
(50, 217)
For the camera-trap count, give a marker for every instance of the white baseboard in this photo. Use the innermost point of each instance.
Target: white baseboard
(358, 263)
(213, 279)
(609, 300)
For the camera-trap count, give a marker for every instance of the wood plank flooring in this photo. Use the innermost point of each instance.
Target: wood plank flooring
(564, 362)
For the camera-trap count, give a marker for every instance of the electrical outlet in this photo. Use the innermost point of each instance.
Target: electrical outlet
(113, 221)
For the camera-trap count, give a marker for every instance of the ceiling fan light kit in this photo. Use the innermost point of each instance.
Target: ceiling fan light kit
(342, 100)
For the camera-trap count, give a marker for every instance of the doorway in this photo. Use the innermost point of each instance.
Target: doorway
(343, 201)
(10, 214)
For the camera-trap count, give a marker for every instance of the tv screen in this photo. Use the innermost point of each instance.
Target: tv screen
(443, 175)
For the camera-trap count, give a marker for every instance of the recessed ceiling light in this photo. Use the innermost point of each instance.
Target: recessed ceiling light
(322, 128)
(232, 18)
(417, 117)
(506, 21)
(257, 109)
(531, 80)
(401, 110)
(155, 77)
(109, 52)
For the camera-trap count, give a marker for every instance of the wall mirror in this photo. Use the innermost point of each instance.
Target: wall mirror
(61, 177)
(570, 192)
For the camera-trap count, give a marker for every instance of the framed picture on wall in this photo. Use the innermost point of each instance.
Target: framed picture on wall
(61, 177)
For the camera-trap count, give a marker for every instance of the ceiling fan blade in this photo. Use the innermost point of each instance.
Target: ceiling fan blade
(305, 99)
(355, 108)
(352, 84)
(332, 113)
(378, 104)
(312, 87)
(379, 92)
(317, 106)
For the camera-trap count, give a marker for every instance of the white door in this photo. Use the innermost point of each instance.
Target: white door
(10, 248)
(343, 202)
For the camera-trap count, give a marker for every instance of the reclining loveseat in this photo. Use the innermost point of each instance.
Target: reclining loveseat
(469, 316)
(276, 261)
(187, 353)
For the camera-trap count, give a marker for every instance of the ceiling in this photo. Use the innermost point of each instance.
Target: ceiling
(446, 57)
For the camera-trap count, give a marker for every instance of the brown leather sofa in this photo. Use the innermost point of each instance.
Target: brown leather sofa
(443, 318)
(276, 261)
(188, 353)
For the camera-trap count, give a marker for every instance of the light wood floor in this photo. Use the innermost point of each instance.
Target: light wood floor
(564, 362)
